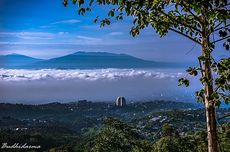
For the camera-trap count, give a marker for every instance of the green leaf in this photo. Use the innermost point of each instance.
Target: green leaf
(192, 71)
(81, 11)
(201, 58)
(183, 81)
(80, 2)
(200, 95)
(74, 2)
(111, 13)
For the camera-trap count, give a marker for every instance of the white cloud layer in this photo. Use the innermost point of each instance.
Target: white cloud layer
(35, 35)
(91, 75)
(71, 21)
(43, 86)
(29, 35)
(116, 33)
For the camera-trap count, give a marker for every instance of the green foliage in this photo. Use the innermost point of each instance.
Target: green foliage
(192, 71)
(119, 137)
(172, 144)
(222, 82)
(183, 81)
(168, 130)
(183, 16)
(171, 141)
(224, 138)
(200, 95)
(178, 135)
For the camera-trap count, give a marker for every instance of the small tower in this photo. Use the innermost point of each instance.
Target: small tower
(120, 102)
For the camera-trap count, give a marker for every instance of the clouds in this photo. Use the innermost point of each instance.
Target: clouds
(61, 23)
(42, 86)
(88, 40)
(71, 21)
(49, 27)
(116, 33)
(63, 33)
(88, 75)
(112, 39)
(35, 35)
(28, 35)
(44, 44)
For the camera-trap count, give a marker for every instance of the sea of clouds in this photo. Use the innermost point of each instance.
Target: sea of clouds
(90, 75)
(51, 85)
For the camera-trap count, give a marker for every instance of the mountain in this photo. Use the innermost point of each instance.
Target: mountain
(16, 61)
(81, 60)
(95, 60)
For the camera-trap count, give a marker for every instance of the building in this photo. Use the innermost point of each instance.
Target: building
(120, 102)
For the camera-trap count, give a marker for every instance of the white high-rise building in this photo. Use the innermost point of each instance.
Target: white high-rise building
(120, 102)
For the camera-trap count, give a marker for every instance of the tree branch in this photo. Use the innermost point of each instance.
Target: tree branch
(181, 33)
(187, 8)
(182, 23)
(221, 27)
(225, 116)
(221, 39)
(218, 25)
(219, 8)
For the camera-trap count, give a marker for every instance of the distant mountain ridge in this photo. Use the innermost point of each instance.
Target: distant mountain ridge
(81, 60)
(16, 60)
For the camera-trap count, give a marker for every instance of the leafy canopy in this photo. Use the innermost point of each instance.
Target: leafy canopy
(183, 16)
(117, 136)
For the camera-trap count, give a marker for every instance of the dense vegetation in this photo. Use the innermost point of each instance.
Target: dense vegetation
(87, 126)
(117, 136)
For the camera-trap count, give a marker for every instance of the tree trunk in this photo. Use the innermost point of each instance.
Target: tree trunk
(211, 126)
(209, 103)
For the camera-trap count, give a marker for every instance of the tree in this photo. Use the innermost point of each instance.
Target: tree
(171, 141)
(168, 130)
(120, 137)
(197, 20)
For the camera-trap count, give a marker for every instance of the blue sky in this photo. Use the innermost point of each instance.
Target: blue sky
(46, 29)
